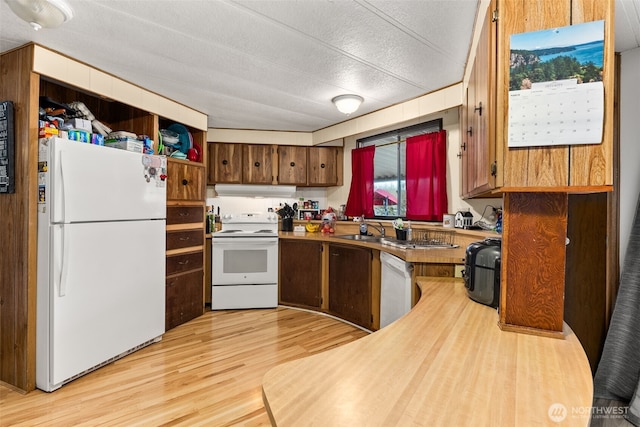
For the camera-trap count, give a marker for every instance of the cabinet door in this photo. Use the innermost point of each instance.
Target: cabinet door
(292, 165)
(225, 163)
(185, 181)
(350, 284)
(184, 296)
(479, 142)
(466, 158)
(484, 150)
(300, 273)
(257, 165)
(323, 166)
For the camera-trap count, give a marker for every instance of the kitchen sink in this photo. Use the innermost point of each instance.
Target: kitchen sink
(417, 244)
(360, 238)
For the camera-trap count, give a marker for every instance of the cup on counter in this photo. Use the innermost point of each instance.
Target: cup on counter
(448, 220)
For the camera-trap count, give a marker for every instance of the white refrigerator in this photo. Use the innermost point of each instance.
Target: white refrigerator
(101, 257)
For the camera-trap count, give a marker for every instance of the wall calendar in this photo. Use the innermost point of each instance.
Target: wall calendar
(556, 94)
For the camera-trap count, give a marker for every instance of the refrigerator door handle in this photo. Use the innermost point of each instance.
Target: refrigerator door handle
(64, 242)
(62, 187)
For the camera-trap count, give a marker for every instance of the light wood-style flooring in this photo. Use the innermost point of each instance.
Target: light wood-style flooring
(207, 372)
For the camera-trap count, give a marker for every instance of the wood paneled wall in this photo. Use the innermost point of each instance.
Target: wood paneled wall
(19, 226)
(557, 166)
(543, 195)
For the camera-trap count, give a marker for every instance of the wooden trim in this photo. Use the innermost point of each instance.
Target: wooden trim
(18, 274)
(376, 283)
(184, 250)
(557, 189)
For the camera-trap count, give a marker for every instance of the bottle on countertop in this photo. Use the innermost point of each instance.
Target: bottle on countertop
(364, 229)
(217, 221)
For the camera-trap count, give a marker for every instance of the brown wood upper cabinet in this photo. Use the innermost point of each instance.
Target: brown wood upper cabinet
(323, 166)
(292, 165)
(225, 163)
(185, 180)
(478, 143)
(257, 164)
(231, 163)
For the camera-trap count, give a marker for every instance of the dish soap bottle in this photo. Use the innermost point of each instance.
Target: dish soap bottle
(364, 229)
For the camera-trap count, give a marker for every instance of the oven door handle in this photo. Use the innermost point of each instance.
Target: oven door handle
(240, 241)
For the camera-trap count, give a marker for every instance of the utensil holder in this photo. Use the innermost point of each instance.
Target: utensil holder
(287, 224)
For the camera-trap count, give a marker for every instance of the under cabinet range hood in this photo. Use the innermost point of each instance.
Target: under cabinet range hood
(241, 190)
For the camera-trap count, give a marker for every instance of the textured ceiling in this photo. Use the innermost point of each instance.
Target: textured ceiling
(274, 64)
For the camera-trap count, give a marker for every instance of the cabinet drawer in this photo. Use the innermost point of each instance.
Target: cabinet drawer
(184, 239)
(185, 214)
(184, 262)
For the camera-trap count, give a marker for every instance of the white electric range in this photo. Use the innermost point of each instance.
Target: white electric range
(244, 263)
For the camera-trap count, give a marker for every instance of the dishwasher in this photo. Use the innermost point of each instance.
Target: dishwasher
(395, 288)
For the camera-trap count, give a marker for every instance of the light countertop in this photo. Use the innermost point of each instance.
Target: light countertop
(444, 363)
(444, 256)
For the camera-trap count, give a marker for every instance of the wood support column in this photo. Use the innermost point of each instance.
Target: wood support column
(533, 262)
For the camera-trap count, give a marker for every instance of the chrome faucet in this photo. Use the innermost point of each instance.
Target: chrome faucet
(380, 230)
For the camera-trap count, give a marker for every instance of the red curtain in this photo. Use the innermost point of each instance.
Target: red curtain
(427, 176)
(360, 201)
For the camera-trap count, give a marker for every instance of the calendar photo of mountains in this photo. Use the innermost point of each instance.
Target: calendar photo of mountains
(573, 52)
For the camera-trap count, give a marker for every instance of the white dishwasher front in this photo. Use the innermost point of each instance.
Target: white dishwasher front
(395, 288)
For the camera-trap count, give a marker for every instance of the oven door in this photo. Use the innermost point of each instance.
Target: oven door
(244, 260)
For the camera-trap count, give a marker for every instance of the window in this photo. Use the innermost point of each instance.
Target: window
(389, 168)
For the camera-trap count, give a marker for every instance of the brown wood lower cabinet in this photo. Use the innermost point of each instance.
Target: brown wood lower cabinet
(350, 284)
(300, 273)
(184, 297)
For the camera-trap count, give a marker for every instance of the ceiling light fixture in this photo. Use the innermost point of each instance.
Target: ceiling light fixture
(42, 13)
(347, 104)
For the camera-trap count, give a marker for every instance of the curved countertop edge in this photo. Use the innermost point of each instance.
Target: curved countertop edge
(446, 362)
(443, 256)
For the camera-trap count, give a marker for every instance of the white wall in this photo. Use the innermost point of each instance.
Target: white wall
(252, 205)
(629, 144)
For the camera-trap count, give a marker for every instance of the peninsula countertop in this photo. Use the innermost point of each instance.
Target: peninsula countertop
(444, 363)
(448, 256)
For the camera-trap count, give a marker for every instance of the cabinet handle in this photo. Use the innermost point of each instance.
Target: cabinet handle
(224, 162)
(256, 164)
(185, 181)
(322, 165)
(459, 155)
(184, 239)
(478, 108)
(470, 131)
(185, 262)
(464, 146)
(292, 164)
